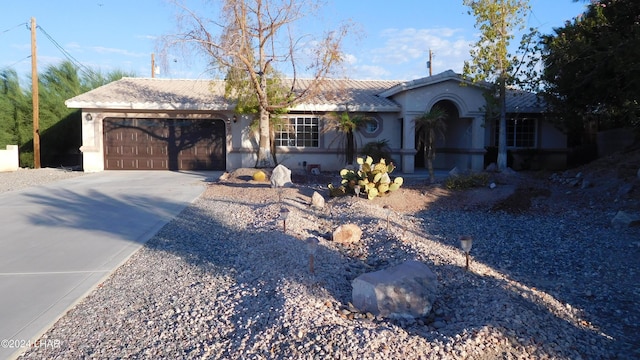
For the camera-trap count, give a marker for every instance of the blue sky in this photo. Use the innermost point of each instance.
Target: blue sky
(392, 41)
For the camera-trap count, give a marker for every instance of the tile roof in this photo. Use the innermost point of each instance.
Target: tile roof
(357, 95)
(519, 101)
(333, 95)
(169, 94)
(155, 94)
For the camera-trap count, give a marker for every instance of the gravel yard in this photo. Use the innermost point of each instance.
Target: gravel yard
(224, 281)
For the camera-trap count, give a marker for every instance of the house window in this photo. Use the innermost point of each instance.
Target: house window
(521, 133)
(372, 126)
(298, 131)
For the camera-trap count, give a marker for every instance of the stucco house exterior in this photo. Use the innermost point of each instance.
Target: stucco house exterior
(168, 124)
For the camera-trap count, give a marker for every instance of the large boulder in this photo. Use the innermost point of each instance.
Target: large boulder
(347, 234)
(625, 220)
(281, 177)
(407, 290)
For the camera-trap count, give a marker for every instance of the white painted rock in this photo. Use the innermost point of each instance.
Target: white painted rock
(281, 177)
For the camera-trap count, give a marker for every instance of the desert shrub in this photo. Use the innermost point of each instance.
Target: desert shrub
(463, 182)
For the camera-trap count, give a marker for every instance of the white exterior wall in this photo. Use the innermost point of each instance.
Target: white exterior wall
(92, 142)
(327, 155)
(9, 158)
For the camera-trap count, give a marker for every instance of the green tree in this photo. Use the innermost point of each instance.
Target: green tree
(238, 89)
(251, 38)
(429, 127)
(346, 126)
(60, 127)
(491, 61)
(591, 68)
(15, 110)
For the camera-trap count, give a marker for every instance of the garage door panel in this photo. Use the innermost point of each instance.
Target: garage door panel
(164, 144)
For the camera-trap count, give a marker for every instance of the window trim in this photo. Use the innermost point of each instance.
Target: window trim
(512, 135)
(378, 130)
(298, 135)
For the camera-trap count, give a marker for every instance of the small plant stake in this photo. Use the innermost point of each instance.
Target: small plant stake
(284, 213)
(312, 247)
(388, 211)
(466, 242)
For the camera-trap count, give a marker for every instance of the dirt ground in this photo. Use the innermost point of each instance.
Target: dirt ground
(605, 184)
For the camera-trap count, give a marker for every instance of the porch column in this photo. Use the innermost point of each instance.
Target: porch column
(92, 145)
(477, 143)
(408, 151)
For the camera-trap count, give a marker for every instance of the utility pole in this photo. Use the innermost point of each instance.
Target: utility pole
(153, 65)
(430, 63)
(34, 97)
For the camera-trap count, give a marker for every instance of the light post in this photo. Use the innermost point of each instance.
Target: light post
(387, 208)
(312, 247)
(466, 242)
(284, 213)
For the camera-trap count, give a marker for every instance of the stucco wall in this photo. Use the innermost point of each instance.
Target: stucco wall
(464, 142)
(327, 155)
(9, 159)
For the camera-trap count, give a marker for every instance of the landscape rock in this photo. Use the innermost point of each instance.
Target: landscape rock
(492, 168)
(624, 190)
(347, 234)
(281, 177)
(259, 176)
(624, 219)
(317, 200)
(509, 171)
(407, 290)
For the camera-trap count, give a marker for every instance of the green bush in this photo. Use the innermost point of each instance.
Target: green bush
(463, 182)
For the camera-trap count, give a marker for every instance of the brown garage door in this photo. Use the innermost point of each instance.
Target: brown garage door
(164, 144)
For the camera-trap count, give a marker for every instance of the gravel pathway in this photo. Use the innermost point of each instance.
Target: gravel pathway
(224, 281)
(25, 177)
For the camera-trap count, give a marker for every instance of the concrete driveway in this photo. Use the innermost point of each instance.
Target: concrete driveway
(60, 240)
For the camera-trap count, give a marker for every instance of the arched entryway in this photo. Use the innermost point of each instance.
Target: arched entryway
(444, 142)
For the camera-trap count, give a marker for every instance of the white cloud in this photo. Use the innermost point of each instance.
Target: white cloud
(404, 52)
(106, 50)
(350, 59)
(370, 72)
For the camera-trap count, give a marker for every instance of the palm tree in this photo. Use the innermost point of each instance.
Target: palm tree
(346, 125)
(429, 126)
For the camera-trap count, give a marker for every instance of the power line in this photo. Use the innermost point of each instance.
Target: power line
(66, 54)
(18, 62)
(17, 26)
